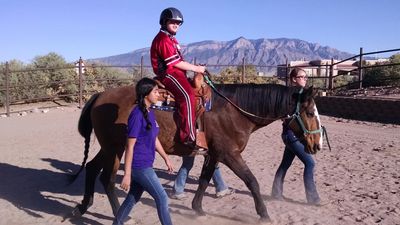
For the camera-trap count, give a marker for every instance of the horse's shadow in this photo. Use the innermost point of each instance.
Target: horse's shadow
(35, 191)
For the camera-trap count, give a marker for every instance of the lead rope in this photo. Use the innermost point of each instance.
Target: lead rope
(325, 133)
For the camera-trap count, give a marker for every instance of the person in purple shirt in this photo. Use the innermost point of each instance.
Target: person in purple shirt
(140, 151)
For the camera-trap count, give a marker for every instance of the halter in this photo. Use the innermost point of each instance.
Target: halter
(296, 117)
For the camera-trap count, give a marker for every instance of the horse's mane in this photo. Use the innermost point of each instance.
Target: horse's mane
(264, 100)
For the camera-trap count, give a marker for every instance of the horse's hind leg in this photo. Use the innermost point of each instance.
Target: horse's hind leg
(205, 177)
(239, 167)
(92, 170)
(108, 177)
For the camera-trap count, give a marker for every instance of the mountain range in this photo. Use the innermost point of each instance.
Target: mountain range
(261, 52)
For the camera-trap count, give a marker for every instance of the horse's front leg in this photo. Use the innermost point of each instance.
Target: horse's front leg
(205, 177)
(236, 163)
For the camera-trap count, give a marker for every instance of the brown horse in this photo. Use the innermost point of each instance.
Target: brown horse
(237, 111)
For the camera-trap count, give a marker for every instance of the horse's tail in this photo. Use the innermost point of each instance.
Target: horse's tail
(85, 128)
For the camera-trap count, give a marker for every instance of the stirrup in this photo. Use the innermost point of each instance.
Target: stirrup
(199, 151)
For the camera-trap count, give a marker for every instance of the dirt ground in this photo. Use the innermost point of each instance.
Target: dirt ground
(359, 180)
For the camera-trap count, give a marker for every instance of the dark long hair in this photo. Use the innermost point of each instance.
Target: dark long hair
(143, 88)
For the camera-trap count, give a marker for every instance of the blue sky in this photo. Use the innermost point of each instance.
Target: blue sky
(98, 28)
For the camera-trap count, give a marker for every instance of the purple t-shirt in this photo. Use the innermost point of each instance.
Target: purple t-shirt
(145, 146)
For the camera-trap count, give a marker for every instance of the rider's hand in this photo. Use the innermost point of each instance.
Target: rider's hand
(200, 69)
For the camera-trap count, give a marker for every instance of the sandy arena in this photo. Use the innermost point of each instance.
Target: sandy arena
(358, 181)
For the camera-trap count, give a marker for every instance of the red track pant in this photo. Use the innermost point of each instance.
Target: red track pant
(180, 87)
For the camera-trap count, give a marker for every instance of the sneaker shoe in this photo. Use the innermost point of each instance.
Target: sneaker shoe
(276, 196)
(180, 196)
(225, 192)
(317, 202)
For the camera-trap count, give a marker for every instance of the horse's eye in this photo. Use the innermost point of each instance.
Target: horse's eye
(310, 114)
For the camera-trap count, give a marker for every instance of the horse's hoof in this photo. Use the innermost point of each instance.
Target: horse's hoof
(265, 220)
(75, 213)
(200, 213)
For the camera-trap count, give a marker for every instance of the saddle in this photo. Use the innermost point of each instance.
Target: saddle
(202, 93)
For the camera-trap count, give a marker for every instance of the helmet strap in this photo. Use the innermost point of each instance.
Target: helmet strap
(165, 30)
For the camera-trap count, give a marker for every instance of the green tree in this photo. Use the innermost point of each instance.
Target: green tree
(249, 70)
(15, 73)
(383, 75)
(55, 76)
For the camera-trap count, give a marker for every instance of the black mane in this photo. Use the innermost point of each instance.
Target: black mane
(263, 100)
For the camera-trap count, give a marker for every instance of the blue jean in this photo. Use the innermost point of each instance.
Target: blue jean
(145, 180)
(187, 164)
(293, 147)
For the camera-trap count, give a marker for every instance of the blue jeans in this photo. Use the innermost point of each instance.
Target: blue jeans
(145, 180)
(293, 147)
(187, 164)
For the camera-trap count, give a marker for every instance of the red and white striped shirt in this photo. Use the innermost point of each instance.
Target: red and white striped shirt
(165, 53)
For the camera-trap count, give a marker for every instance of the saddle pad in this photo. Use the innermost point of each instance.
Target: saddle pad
(207, 105)
(163, 108)
(169, 108)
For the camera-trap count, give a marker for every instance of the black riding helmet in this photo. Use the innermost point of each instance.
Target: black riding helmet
(170, 13)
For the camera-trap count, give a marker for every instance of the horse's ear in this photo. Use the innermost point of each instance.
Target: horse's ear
(308, 93)
(312, 92)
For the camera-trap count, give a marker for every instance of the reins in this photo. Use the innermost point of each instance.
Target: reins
(209, 82)
(296, 115)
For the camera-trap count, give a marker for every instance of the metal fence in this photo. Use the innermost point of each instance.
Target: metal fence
(242, 73)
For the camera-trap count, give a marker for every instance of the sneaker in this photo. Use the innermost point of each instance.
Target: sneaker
(277, 197)
(180, 196)
(317, 202)
(225, 192)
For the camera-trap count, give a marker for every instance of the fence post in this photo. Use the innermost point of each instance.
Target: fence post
(80, 82)
(326, 80)
(7, 74)
(287, 73)
(330, 85)
(243, 69)
(141, 67)
(360, 69)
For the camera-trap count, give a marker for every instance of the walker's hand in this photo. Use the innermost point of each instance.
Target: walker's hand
(126, 183)
(169, 165)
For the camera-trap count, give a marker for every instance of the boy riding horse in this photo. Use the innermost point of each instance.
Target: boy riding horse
(170, 68)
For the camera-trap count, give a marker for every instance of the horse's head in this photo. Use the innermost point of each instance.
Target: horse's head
(306, 121)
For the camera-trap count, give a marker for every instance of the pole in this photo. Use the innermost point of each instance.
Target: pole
(330, 86)
(7, 73)
(360, 69)
(287, 73)
(141, 67)
(243, 69)
(80, 82)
